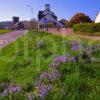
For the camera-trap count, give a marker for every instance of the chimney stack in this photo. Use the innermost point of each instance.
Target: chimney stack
(15, 20)
(47, 7)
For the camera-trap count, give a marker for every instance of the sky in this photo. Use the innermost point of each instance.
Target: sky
(64, 9)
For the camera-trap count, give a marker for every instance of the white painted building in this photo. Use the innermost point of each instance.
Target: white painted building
(47, 16)
(97, 20)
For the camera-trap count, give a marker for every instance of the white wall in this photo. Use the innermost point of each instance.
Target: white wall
(97, 20)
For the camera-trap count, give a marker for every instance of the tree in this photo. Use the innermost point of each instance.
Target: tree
(80, 18)
(64, 22)
(51, 24)
(33, 24)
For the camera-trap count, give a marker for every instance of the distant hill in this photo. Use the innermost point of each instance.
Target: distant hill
(9, 24)
(6, 24)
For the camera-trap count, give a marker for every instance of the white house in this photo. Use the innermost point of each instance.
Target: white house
(46, 16)
(97, 20)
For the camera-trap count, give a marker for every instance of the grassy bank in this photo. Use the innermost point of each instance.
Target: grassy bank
(88, 34)
(2, 31)
(23, 61)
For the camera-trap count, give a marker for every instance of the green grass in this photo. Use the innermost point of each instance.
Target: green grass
(2, 31)
(26, 58)
(88, 34)
(91, 29)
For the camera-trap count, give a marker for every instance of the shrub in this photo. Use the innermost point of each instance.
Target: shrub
(87, 28)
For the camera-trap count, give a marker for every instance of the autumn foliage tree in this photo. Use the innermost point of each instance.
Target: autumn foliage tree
(80, 18)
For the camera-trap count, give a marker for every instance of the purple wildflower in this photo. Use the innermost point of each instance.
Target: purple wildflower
(62, 59)
(14, 89)
(10, 89)
(58, 60)
(44, 75)
(44, 88)
(4, 93)
(73, 59)
(37, 83)
(49, 87)
(74, 46)
(42, 91)
(54, 74)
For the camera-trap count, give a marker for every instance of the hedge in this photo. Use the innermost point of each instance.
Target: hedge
(88, 28)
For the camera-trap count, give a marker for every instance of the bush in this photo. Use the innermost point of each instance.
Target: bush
(88, 28)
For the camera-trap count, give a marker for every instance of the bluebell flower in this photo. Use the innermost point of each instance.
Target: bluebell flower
(4, 93)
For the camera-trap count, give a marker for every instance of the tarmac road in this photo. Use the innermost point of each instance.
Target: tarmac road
(8, 38)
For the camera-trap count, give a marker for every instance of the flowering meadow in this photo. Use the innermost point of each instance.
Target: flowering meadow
(44, 66)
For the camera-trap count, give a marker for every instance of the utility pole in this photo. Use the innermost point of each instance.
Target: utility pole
(45, 2)
(31, 9)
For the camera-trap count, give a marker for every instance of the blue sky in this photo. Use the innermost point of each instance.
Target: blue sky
(62, 8)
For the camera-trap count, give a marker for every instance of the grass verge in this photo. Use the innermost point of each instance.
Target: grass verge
(24, 60)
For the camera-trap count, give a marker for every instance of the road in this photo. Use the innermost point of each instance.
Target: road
(8, 38)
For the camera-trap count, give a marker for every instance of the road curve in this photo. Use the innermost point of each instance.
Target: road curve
(10, 37)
